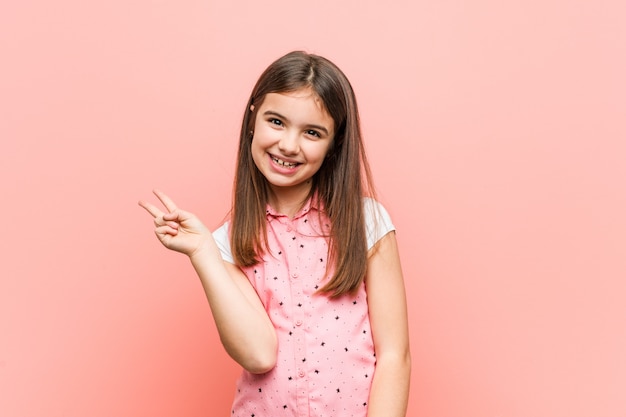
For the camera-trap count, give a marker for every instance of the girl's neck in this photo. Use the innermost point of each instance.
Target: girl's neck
(289, 201)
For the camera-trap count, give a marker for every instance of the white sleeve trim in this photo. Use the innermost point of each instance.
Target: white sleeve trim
(377, 221)
(222, 238)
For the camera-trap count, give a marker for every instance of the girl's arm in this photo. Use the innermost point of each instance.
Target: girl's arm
(242, 322)
(388, 316)
(244, 327)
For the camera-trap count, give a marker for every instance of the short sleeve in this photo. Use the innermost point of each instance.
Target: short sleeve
(222, 240)
(377, 221)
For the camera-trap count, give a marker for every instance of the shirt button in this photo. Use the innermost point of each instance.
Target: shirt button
(289, 229)
(294, 275)
(301, 374)
(298, 322)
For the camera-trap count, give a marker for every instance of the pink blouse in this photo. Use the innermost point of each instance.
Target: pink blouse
(326, 356)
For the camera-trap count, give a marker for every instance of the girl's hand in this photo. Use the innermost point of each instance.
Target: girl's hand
(177, 230)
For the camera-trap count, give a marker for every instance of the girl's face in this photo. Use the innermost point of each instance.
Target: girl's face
(292, 135)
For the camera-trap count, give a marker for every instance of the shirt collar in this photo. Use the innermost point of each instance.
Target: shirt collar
(313, 203)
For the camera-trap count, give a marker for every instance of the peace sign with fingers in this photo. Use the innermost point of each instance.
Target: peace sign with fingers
(177, 229)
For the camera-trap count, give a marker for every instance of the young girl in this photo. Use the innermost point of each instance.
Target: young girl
(304, 281)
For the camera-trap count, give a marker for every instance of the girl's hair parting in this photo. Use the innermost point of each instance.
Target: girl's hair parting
(340, 184)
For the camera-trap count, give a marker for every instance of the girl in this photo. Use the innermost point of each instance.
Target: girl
(286, 277)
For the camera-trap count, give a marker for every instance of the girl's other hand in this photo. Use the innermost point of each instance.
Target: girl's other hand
(177, 230)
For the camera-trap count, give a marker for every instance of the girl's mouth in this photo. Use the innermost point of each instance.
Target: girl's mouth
(284, 163)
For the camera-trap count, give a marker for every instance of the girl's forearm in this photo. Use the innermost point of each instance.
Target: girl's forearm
(242, 323)
(389, 394)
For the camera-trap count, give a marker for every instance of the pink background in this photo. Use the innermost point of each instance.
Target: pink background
(497, 136)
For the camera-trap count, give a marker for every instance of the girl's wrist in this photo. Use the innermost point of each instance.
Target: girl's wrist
(206, 251)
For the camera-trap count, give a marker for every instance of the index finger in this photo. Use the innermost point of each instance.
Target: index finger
(155, 212)
(167, 202)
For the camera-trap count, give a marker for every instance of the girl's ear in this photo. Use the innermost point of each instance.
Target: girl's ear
(251, 107)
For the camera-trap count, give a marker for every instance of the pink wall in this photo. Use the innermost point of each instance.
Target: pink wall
(497, 136)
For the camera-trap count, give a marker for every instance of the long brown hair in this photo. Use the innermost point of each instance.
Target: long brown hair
(341, 182)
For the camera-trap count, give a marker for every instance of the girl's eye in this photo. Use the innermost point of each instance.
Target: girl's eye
(313, 133)
(276, 122)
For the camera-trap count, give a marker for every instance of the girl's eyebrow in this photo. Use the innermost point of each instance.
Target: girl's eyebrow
(280, 116)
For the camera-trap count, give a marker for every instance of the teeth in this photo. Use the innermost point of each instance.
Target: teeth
(283, 163)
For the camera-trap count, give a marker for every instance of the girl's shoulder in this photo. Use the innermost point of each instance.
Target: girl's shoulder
(377, 224)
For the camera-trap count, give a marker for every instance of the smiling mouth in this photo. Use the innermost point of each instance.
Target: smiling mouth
(284, 163)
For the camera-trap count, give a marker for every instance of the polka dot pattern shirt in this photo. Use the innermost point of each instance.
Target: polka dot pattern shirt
(326, 356)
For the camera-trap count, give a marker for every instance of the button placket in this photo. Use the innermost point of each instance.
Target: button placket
(299, 325)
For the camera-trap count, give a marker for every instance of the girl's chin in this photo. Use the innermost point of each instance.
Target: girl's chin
(283, 185)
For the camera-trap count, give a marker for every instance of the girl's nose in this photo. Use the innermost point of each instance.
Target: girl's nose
(289, 143)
